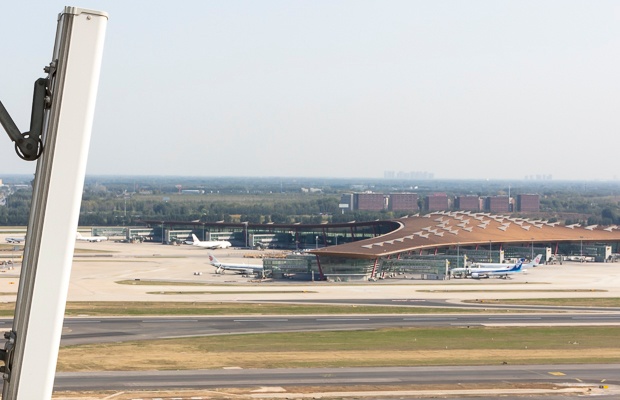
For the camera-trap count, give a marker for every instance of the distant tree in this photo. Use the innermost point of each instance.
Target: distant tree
(611, 215)
(279, 218)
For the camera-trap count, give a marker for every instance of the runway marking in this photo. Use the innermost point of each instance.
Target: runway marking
(172, 398)
(421, 319)
(342, 319)
(557, 373)
(514, 318)
(158, 321)
(406, 300)
(68, 321)
(260, 320)
(597, 317)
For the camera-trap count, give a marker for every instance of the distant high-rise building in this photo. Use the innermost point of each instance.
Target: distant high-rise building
(498, 204)
(370, 201)
(539, 177)
(346, 202)
(467, 203)
(528, 202)
(404, 202)
(420, 175)
(437, 202)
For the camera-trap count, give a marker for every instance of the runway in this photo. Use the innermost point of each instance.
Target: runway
(582, 374)
(420, 302)
(102, 330)
(93, 330)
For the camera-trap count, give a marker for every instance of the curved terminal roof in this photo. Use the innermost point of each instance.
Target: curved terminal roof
(443, 229)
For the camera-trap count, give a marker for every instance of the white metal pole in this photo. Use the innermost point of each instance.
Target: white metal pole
(57, 194)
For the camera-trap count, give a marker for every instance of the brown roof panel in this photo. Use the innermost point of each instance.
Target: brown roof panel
(442, 229)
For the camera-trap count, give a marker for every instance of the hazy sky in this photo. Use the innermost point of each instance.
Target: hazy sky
(462, 89)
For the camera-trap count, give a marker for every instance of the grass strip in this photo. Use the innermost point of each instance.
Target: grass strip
(511, 290)
(79, 250)
(230, 292)
(236, 308)
(143, 282)
(563, 302)
(383, 347)
(166, 308)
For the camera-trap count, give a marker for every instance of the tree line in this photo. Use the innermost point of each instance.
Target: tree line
(118, 204)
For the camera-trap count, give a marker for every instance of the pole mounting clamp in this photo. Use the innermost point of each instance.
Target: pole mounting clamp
(29, 145)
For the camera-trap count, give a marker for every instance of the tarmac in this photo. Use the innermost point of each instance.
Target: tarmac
(98, 267)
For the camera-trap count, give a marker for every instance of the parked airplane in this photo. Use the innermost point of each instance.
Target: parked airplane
(79, 236)
(209, 244)
(15, 239)
(535, 262)
(246, 269)
(482, 272)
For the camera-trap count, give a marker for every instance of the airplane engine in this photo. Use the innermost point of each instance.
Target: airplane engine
(475, 275)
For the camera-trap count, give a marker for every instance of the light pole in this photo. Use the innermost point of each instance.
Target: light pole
(581, 246)
(246, 234)
(532, 256)
(458, 255)
(317, 242)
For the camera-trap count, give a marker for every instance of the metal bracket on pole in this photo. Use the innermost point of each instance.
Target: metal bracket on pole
(6, 354)
(29, 145)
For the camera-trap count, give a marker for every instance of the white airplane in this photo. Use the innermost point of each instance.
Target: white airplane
(79, 236)
(478, 273)
(534, 263)
(209, 244)
(15, 239)
(246, 269)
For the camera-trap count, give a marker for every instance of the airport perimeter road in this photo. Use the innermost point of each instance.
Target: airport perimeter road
(99, 330)
(574, 374)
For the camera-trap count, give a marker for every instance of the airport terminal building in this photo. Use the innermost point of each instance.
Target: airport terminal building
(419, 247)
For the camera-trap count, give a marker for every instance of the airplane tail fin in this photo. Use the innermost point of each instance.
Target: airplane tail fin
(195, 239)
(537, 259)
(518, 265)
(212, 259)
(78, 235)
